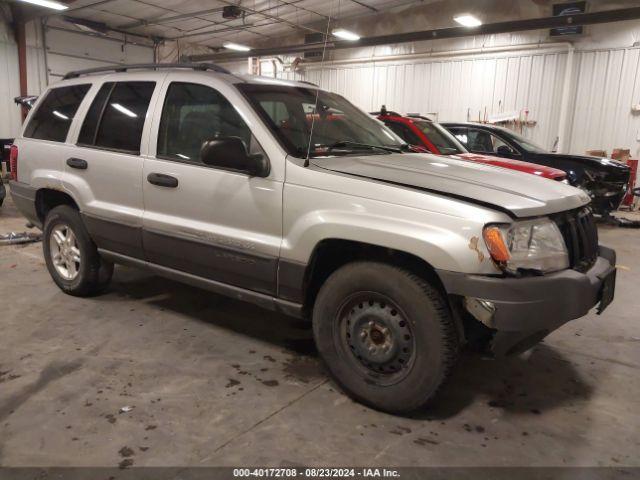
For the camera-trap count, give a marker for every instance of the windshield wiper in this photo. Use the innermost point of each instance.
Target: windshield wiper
(347, 143)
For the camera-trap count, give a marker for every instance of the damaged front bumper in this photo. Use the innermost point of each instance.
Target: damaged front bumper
(522, 311)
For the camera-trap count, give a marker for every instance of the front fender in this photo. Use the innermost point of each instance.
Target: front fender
(444, 242)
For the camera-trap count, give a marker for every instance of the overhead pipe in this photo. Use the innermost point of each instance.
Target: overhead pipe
(580, 19)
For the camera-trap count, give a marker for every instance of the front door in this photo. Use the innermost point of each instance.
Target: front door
(217, 224)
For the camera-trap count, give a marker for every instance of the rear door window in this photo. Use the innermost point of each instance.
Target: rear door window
(53, 118)
(116, 117)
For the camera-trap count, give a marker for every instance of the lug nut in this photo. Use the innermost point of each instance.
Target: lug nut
(372, 350)
(363, 334)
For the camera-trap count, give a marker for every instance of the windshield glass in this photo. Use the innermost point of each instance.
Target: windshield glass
(525, 143)
(339, 128)
(441, 138)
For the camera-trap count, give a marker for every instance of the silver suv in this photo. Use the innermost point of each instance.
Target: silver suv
(288, 196)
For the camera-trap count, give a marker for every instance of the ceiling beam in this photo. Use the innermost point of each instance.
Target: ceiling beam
(607, 16)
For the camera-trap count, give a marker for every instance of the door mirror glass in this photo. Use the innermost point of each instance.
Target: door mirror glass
(230, 153)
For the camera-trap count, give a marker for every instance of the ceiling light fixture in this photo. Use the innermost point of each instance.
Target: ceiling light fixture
(236, 46)
(467, 20)
(47, 4)
(124, 110)
(345, 34)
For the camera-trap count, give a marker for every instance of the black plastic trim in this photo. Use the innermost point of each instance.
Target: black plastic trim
(265, 301)
(233, 266)
(24, 198)
(531, 304)
(114, 236)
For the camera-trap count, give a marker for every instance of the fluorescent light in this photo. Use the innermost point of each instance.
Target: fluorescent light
(124, 110)
(467, 21)
(60, 115)
(47, 4)
(236, 46)
(345, 34)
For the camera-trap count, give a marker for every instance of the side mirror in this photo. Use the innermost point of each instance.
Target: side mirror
(230, 153)
(504, 151)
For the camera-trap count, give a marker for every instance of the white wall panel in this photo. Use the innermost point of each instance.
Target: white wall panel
(68, 51)
(456, 88)
(9, 84)
(607, 86)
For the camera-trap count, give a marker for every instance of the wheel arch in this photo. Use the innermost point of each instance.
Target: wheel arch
(49, 198)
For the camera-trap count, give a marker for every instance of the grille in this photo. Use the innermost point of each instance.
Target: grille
(580, 234)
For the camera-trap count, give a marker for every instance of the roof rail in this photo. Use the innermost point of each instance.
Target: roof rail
(148, 66)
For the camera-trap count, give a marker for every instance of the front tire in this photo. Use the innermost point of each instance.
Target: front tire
(71, 256)
(386, 335)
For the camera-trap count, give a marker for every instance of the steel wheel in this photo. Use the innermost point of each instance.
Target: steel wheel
(65, 253)
(376, 337)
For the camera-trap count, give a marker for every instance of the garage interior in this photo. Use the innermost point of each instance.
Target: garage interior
(156, 373)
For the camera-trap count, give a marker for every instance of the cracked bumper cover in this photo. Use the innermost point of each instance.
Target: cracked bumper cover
(532, 307)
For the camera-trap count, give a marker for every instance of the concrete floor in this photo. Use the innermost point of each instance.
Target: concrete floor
(217, 382)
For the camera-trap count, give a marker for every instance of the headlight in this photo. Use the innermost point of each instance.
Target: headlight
(529, 244)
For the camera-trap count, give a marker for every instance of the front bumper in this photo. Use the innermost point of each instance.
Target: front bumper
(527, 309)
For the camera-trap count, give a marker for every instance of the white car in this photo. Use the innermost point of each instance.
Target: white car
(288, 196)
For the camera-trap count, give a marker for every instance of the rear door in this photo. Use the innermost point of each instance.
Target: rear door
(44, 140)
(214, 223)
(104, 172)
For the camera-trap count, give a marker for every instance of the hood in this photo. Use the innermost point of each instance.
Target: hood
(526, 167)
(597, 163)
(521, 194)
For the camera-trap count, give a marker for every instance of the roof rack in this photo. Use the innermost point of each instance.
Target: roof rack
(148, 66)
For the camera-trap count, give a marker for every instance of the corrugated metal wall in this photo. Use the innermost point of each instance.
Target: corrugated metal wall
(604, 87)
(607, 84)
(69, 51)
(9, 85)
(457, 89)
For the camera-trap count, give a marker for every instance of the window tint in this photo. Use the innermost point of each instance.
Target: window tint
(481, 141)
(405, 133)
(460, 134)
(53, 118)
(193, 114)
(90, 126)
(123, 119)
(444, 141)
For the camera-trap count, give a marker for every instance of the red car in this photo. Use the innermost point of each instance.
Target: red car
(427, 136)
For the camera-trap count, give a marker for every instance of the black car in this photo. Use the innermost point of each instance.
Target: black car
(606, 181)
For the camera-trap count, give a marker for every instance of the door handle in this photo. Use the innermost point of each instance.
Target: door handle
(162, 180)
(77, 163)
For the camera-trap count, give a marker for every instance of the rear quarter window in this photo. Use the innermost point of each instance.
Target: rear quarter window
(52, 119)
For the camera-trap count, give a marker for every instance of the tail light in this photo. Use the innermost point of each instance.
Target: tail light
(13, 162)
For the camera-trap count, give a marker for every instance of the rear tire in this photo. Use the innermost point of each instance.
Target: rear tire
(386, 335)
(71, 256)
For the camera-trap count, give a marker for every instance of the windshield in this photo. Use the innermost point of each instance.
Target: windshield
(525, 143)
(339, 128)
(441, 138)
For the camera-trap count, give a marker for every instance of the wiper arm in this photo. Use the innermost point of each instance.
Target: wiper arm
(347, 143)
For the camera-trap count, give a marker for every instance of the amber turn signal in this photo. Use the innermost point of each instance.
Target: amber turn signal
(495, 243)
